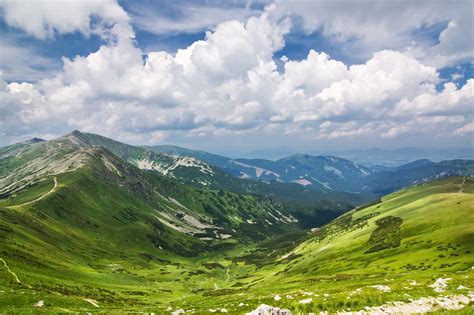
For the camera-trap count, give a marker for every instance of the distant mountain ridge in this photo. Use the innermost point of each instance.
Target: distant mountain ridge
(310, 185)
(329, 173)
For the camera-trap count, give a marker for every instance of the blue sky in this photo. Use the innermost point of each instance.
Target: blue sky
(249, 75)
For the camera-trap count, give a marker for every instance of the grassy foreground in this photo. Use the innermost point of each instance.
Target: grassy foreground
(394, 250)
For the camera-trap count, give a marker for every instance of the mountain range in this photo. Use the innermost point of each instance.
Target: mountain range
(329, 173)
(90, 224)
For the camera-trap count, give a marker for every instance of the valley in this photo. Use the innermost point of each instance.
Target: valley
(89, 224)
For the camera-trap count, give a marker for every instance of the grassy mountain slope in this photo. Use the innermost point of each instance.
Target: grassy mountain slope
(204, 169)
(404, 243)
(106, 228)
(312, 207)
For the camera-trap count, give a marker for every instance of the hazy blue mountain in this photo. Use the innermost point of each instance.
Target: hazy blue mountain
(329, 173)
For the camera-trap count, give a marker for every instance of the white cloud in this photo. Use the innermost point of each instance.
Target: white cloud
(45, 18)
(229, 85)
(450, 100)
(387, 75)
(465, 130)
(312, 74)
(364, 26)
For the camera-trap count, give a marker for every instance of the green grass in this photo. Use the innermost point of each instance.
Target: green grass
(95, 239)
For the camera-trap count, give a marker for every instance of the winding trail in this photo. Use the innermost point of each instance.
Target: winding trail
(461, 186)
(10, 271)
(91, 301)
(40, 197)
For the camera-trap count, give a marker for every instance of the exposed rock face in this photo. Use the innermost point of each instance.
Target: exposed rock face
(420, 306)
(264, 309)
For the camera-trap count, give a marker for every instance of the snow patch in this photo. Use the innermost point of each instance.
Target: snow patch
(302, 181)
(333, 170)
(258, 170)
(167, 168)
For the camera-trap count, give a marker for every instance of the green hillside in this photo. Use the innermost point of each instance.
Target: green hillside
(83, 241)
(106, 224)
(24, 163)
(402, 244)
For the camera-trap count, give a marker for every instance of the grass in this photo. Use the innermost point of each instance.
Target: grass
(94, 239)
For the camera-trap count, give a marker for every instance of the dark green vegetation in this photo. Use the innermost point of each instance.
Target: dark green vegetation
(386, 235)
(84, 230)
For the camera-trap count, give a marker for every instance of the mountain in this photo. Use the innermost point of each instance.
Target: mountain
(329, 173)
(105, 236)
(400, 156)
(416, 172)
(413, 246)
(323, 173)
(180, 207)
(312, 207)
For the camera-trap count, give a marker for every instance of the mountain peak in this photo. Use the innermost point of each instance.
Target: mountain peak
(35, 140)
(76, 137)
(75, 133)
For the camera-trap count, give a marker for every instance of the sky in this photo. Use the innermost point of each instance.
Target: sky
(240, 76)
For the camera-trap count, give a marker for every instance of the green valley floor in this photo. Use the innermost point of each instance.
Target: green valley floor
(411, 252)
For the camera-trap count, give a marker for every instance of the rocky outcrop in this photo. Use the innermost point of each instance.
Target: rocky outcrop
(264, 309)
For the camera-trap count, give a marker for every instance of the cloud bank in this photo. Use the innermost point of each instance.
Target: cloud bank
(230, 85)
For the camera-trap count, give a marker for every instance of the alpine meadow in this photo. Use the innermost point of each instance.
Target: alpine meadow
(262, 157)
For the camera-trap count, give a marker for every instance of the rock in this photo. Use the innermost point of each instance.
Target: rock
(306, 301)
(440, 285)
(39, 304)
(277, 297)
(382, 288)
(264, 309)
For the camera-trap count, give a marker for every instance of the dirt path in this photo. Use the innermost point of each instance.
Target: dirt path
(93, 302)
(10, 271)
(461, 186)
(40, 197)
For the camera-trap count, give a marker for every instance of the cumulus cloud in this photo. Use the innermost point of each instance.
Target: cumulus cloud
(466, 129)
(46, 18)
(449, 101)
(229, 84)
(365, 26)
